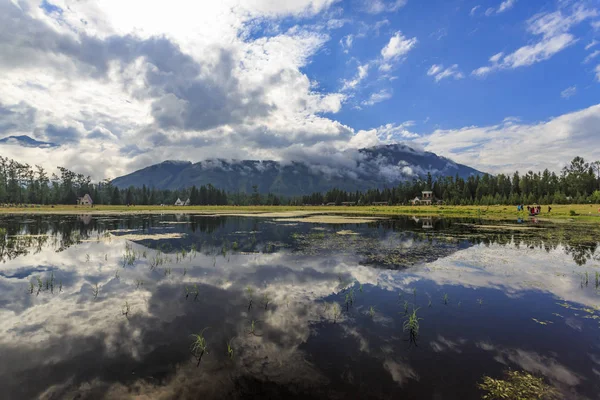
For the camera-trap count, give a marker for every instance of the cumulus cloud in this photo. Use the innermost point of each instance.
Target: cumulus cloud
(397, 47)
(554, 32)
(511, 145)
(439, 73)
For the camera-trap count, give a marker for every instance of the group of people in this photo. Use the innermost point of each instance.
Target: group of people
(533, 210)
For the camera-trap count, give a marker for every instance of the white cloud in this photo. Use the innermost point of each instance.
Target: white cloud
(554, 31)
(591, 44)
(511, 145)
(397, 47)
(361, 73)
(568, 92)
(591, 56)
(474, 10)
(506, 5)
(347, 42)
(377, 97)
(439, 73)
(596, 25)
(489, 11)
(384, 134)
(597, 70)
(380, 6)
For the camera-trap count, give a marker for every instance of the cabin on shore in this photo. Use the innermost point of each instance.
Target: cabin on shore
(182, 203)
(426, 199)
(380, 203)
(86, 200)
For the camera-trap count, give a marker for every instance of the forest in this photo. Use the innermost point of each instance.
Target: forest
(578, 182)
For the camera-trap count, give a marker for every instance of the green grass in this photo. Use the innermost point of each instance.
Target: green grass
(230, 352)
(371, 311)
(583, 212)
(412, 325)
(199, 345)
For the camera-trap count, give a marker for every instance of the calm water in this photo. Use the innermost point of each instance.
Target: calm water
(309, 310)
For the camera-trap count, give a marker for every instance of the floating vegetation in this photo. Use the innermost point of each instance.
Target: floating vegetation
(199, 346)
(517, 385)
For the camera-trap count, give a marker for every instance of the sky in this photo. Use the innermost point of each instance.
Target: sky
(499, 85)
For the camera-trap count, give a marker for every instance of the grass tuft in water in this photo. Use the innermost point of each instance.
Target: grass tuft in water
(517, 385)
(199, 346)
(412, 325)
(371, 311)
(446, 299)
(336, 311)
(230, 353)
(125, 309)
(95, 291)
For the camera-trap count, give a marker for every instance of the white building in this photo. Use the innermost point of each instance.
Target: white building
(179, 202)
(85, 200)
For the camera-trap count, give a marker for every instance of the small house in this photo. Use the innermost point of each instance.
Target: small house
(179, 202)
(187, 202)
(426, 199)
(85, 200)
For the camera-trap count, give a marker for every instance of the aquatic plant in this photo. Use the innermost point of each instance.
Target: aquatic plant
(446, 299)
(199, 346)
(597, 279)
(117, 274)
(405, 307)
(371, 311)
(230, 349)
(252, 330)
(412, 325)
(87, 258)
(40, 285)
(95, 291)
(336, 310)
(480, 302)
(184, 271)
(266, 300)
(360, 288)
(60, 287)
(517, 385)
(429, 305)
(139, 283)
(125, 309)
(31, 286)
(234, 246)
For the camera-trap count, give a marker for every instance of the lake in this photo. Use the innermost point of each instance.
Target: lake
(106, 307)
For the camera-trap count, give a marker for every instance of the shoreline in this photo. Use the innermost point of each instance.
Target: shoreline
(583, 212)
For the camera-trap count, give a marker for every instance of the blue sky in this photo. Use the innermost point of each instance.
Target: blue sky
(495, 84)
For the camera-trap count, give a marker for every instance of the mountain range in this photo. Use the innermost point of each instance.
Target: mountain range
(369, 168)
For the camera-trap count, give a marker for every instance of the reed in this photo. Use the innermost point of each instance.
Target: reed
(199, 345)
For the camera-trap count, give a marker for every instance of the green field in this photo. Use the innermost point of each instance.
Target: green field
(582, 212)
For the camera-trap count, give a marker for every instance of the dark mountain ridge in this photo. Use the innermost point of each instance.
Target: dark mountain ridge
(370, 168)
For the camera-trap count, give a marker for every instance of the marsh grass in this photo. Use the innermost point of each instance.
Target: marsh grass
(40, 285)
(253, 326)
(337, 311)
(517, 385)
(372, 311)
(405, 307)
(597, 279)
(31, 287)
(412, 326)
(230, 352)
(199, 346)
(266, 300)
(249, 292)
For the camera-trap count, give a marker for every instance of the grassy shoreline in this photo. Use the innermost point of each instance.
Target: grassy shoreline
(584, 212)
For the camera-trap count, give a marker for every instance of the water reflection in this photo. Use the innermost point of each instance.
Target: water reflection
(489, 297)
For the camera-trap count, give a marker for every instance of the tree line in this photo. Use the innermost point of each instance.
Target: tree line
(578, 182)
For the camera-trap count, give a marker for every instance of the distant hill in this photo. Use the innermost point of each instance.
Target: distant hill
(26, 141)
(375, 167)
